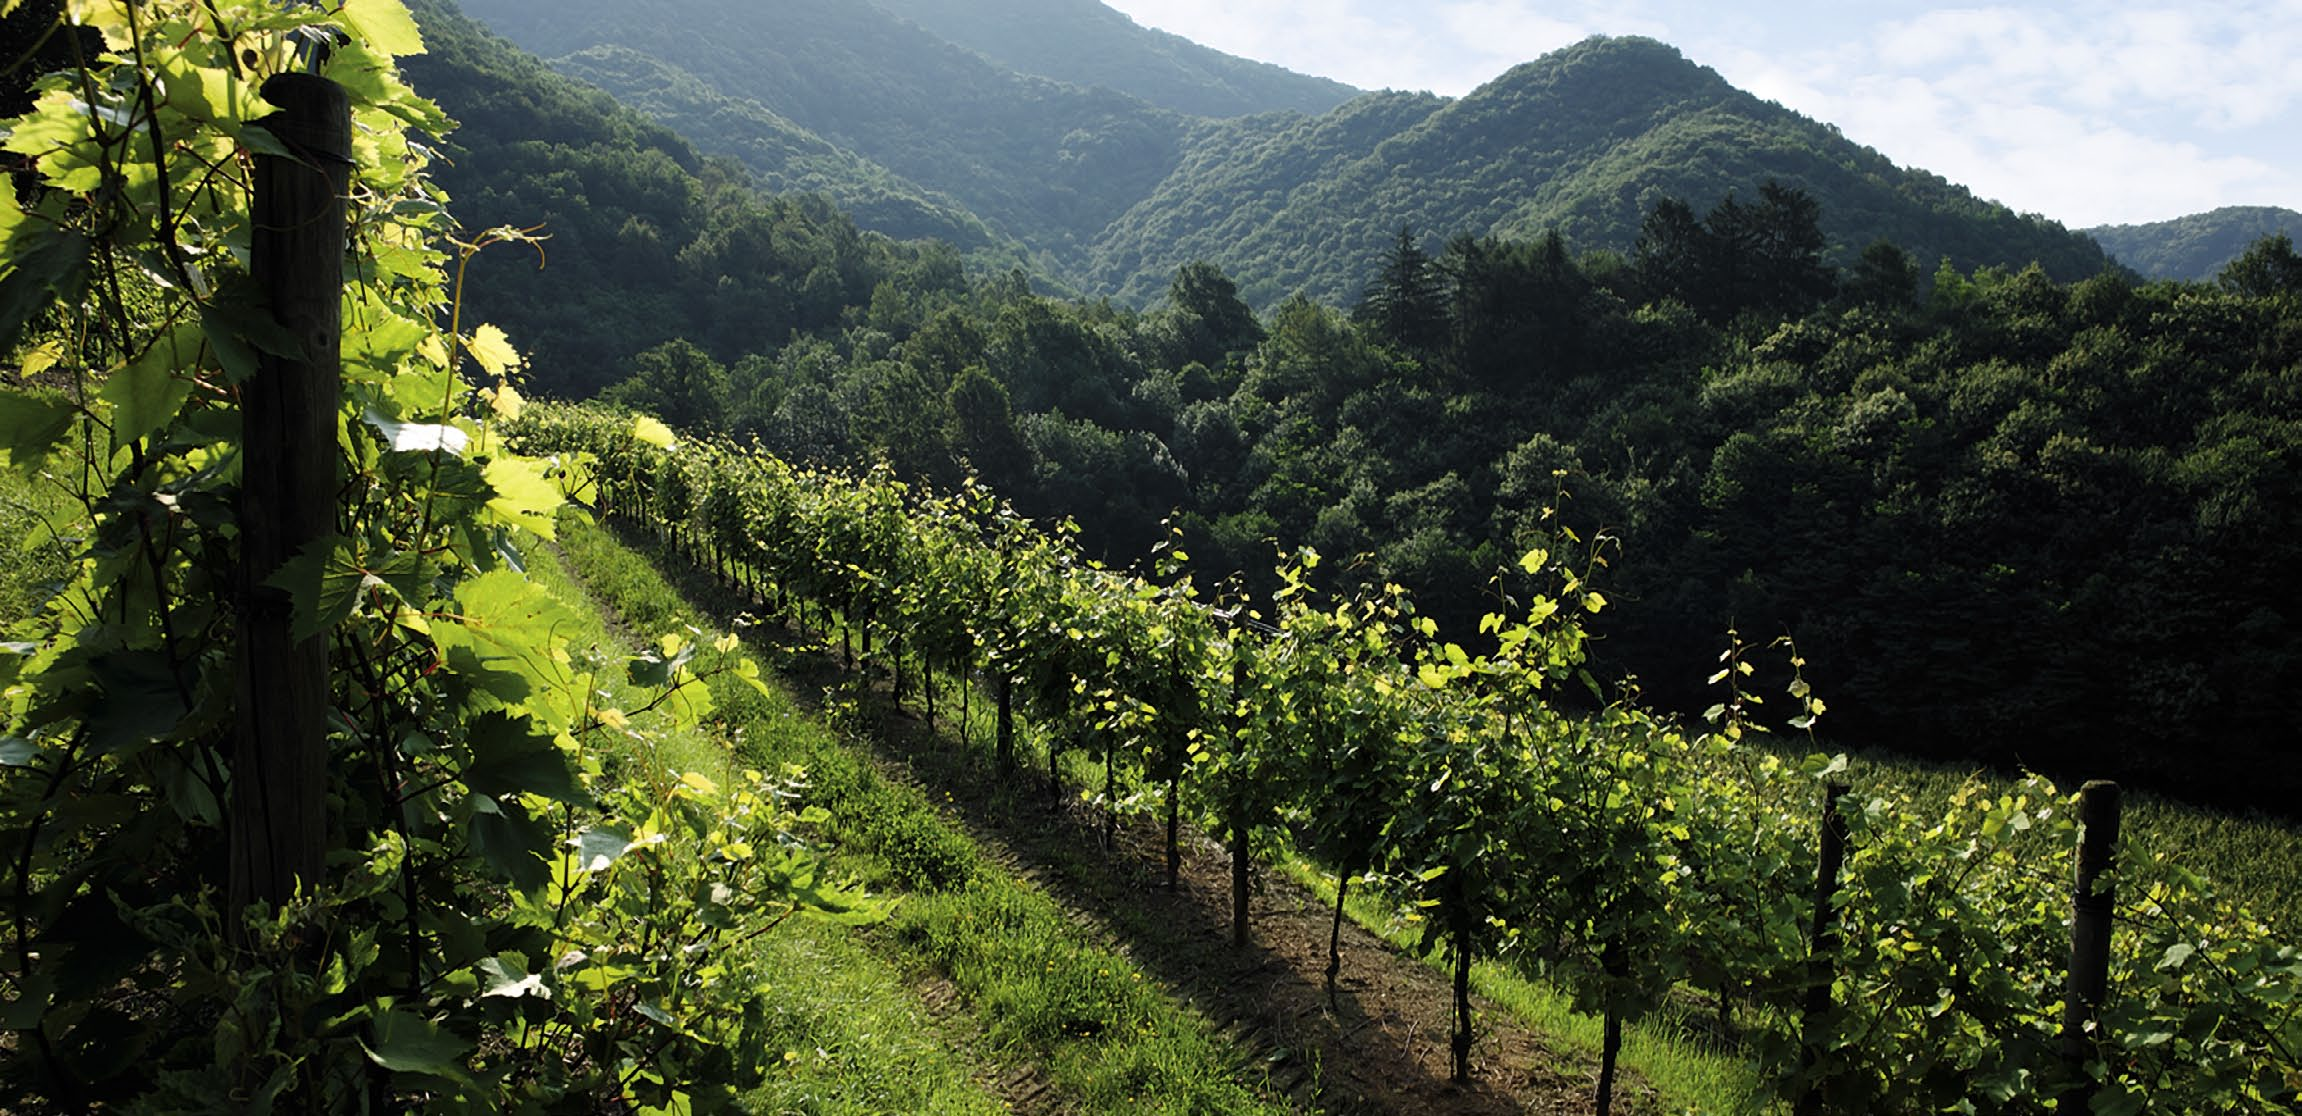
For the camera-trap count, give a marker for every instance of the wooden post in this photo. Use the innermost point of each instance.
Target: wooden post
(1822, 958)
(1241, 824)
(1006, 743)
(288, 496)
(2092, 900)
(1240, 865)
(1618, 968)
(1461, 1040)
(1110, 792)
(1174, 831)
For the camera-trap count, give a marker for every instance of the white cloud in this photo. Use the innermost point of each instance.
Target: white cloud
(2094, 116)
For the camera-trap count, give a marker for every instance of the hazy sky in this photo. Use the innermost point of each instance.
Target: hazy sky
(2109, 112)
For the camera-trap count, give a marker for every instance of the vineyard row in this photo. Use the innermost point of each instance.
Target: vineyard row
(1617, 854)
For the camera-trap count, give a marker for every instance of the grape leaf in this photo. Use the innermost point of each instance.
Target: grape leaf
(407, 1043)
(384, 25)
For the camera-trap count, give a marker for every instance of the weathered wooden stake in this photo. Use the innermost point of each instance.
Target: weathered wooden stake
(1174, 831)
(1463, 1037)
(1822, 944)
(1006, 721)
(1617, 966)
(1110, 794)
(2092, 900)
(288, 495)
(1240, 864)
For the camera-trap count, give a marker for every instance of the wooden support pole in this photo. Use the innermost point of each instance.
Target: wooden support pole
(1241, 863)
(1006, 732)
(1822, 945)
(288, 494)
(2092, 903)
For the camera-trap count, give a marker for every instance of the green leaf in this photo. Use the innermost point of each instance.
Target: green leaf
(321, 603)
(205, 93)
(384, 25)
(648, 429)
(680, 1104)
(2115, 1100)
(42, 265)
(510, 756)
(525, 495)
(507, 639)
(493, 351)
(511, 843)
(31, 427)
(146, 394)
(141, 702)
(329, 578)
(507, 976)
(30, 1005)
(406, 1043)
(239, 331)
(597, 849)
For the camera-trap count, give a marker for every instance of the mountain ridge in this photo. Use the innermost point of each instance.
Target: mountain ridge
(2195, 246)
(1093, 44)
(1108, 194)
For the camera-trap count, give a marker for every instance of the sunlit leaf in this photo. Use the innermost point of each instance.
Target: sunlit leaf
(493, 351)
(524, 495)
(649, 430)
(384, 25)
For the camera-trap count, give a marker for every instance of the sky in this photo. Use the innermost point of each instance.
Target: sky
(2101, 113)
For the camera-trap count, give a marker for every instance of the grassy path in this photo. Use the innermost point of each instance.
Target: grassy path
(853, 1034)
(1054, 1017)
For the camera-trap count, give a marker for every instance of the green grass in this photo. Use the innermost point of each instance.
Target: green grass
(38, 525)
(1038, 990)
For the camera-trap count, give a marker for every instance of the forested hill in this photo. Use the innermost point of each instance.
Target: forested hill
(1086, 43)
(1047, 163)
(645, 239)
(1583, 140)
(1109, 193)
(2198, 246)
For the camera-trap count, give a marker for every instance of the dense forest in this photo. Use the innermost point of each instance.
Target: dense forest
(1107, 190)
(2008, 519)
